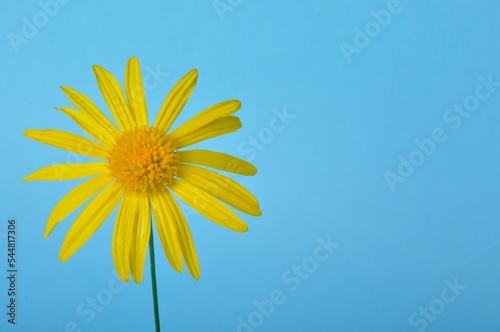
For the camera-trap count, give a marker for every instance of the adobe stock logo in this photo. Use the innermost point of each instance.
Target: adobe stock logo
(421, 318)
(252, 145)
(454, 117)
(93, 305)
(223, 6)
(363, 37)
(31, 26)
(293, 279)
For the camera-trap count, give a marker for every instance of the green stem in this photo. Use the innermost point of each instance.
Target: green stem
(153, 282)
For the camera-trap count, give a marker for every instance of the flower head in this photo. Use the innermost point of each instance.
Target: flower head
(141, 168)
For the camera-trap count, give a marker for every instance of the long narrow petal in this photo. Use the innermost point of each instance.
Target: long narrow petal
(217, 160)
(221, 187)
(91, 126)
(76, 197)
(115, 99)
(175, 101)
(135, 91)
(186, 240)
(141, 232)
(134, 217)
(67, 141)
(165, 224)
(221, 126)
(59, 172)
(89, 220)
(203, 118)
(208, 206)
(87, 106)
(122, 235)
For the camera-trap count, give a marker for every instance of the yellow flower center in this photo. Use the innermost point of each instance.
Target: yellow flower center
(143, 159)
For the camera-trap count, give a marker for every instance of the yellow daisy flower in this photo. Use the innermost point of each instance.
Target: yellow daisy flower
(140, 167)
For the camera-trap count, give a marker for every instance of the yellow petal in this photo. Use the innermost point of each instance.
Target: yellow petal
(59, 172)
(167, 231)
(67, 141)
(186, 240)
(89, 125)
(74, 199)
(175, 101)
(221, 126)
(208, 206)
(217, 160)
(141, 231)
(115, 99)
(86, 106)
(122, 235)
(132, 237)
(89, 220)
(212, 113)
(135, 91)
(221, 187)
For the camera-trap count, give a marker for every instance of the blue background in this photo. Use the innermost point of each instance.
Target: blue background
(321, 175)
